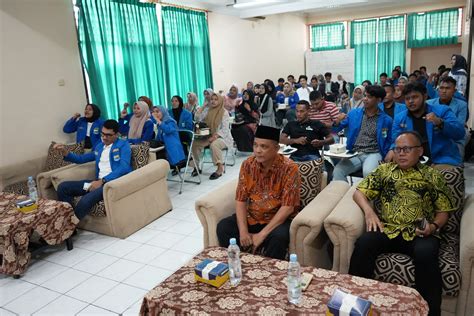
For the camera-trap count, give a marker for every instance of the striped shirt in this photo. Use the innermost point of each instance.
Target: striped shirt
(326, 115)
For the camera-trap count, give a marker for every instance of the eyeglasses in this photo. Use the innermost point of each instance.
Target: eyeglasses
(107, 135)
(406, 149)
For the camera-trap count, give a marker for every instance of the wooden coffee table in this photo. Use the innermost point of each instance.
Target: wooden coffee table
(54, 221)
(263, 291)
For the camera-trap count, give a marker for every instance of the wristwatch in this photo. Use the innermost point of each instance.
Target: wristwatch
(105, 181)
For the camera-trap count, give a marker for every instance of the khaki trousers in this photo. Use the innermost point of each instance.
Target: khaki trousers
(216, 150)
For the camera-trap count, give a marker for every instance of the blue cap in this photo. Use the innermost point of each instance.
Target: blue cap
(293, 257)
(232, 241)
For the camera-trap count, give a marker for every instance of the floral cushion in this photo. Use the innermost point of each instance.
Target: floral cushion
(20, 188)
(55, 158)
(140, 155)
(311, 174)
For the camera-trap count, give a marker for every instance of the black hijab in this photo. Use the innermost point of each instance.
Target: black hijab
(179, 109)
(96, 113)
(459, 64)
(253, 107)
(273, 91)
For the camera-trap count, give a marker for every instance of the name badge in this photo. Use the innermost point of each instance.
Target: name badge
(384, 132)
(309, 128)
(81, 127)
(115, 150)
(116, 157)
(96, 130)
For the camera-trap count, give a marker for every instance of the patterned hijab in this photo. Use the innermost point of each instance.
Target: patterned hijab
(191, 106)
(215, 114)
(206, 100)
(138, 120)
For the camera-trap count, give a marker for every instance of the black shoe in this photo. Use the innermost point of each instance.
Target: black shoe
(195, 172)
(215, 176)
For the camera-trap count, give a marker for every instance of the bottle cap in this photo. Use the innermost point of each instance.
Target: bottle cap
(293, 257)
(232, 241)
(30, 178)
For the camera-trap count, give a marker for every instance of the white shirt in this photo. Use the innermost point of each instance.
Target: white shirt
(104, 163)
(328, 87)
(89, 125)
(303, 93)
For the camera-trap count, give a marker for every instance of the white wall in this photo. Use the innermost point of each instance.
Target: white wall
(244, 50)
(38, 48)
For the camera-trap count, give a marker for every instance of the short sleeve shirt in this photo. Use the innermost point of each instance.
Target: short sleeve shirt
(326, 115)
(407, 195)
(311, 130)
(265, 193)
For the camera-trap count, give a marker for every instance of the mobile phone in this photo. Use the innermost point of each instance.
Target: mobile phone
(421, 223)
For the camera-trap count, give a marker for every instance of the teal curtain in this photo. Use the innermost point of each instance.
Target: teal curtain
(120, 49)
(187, 55)
(434, 28)
(327, 36)
(364, 42)
(391, 44)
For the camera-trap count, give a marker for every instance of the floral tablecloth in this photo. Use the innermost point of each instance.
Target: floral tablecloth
(262, 291)
(54, 221)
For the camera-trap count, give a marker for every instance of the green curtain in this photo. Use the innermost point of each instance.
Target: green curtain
(187, 55)
(120, 49)
(364, 42)
(434, 28)
(391, 44)
(327, 36)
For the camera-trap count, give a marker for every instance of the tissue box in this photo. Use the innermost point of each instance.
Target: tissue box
(205, 131)
(344, 304)
(211, 272)
(337, 148)
(26, 206)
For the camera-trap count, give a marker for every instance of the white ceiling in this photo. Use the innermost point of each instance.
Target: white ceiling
(305, 7)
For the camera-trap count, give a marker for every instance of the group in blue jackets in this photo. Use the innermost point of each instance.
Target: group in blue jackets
(115, 163)
(87, 127)
(167, 133)
(137, 126)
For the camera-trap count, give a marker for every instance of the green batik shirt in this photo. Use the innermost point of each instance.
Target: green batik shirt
(406, 196)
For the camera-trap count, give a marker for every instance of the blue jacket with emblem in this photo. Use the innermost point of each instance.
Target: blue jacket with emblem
(353, 122)
(147, 133)
(185, 120)
(292, 100)
(80, 126)
(167, 132)
(399, 107)
(442, 141)
(120, 159)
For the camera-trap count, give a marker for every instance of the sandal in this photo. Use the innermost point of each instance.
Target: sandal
(215, 176)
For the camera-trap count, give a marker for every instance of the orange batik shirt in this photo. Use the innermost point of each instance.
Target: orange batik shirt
(266, 193)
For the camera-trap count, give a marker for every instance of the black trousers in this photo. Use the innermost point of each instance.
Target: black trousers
(274, 246)
(424, 252)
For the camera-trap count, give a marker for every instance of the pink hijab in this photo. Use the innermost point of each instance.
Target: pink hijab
(137, 121)
(231, 102)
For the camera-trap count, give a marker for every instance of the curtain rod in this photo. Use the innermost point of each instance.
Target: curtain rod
(176, 5)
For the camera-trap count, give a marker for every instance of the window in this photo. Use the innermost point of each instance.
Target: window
(328, 36)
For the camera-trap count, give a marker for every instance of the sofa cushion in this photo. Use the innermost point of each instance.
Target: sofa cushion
(55, 158)
(311, 177)
(98, 210)
(140, 155)
(20, 188)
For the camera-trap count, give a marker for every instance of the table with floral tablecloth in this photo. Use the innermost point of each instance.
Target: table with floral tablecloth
(262, 291)
(54, 221)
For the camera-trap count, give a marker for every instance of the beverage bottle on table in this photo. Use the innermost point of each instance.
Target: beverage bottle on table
(294, 280)
(235, 268)
(32, 192)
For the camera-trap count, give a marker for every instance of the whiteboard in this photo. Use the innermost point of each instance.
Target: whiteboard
(334, 61)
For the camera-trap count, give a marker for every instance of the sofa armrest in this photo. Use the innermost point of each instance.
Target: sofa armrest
(136, 180)
(213, 207)
(305, 230)
(466, 294)
(18, 172)
(343, 226)
(45, 184)
(84, 171)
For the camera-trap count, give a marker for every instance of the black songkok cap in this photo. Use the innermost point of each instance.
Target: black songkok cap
(267, 132)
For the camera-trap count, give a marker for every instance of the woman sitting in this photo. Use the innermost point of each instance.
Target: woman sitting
(265, 107)
(167, 133)
(88, 127)
(232, 99)
(180, 114)
(136, 126)
(358, 97)
(245, 124)
(289, 98)
(217, 119)
(192, 103)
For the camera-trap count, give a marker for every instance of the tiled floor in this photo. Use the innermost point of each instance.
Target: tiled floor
(110, 276)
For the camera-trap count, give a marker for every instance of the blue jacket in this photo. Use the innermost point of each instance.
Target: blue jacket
(458, 106)
(80, 126)
(185, 119)
(147, 133)
(292, 101)
(353, 122)
(120, 156)
(433, 93)
(168, 134)
(442, 141)
(399, 107)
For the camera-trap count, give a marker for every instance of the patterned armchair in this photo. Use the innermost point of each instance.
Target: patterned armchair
(307, 239)
(346, 223)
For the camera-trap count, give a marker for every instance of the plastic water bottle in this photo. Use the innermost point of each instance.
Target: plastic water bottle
(32, 192)
(294, 280)
(235, 268)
